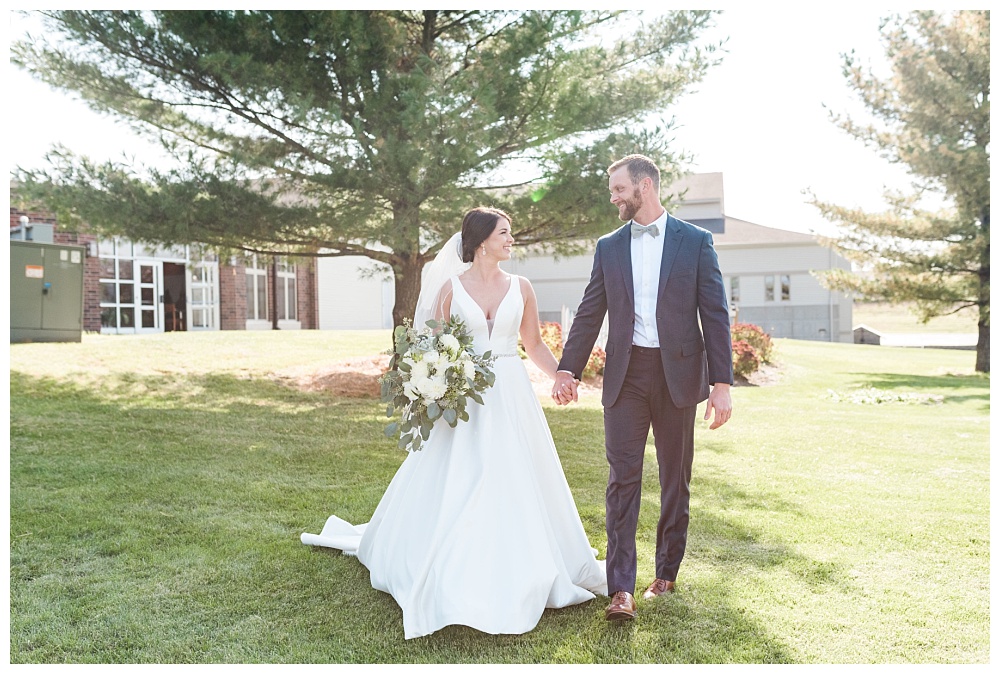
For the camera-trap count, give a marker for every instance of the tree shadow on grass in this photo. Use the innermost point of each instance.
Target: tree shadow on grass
(171, 394)
(728, 543)
(956, 388)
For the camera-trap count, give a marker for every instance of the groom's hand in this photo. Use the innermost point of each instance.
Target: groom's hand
(564, 388)
(719, 401)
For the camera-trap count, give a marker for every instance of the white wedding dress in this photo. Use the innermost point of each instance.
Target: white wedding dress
(479, 527)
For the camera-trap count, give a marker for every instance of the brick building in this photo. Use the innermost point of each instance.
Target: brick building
(130, 287)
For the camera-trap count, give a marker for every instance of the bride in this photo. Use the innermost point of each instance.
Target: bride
(479, 527)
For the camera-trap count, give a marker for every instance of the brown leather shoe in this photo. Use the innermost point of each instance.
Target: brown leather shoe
(658, 587)
(622, 607)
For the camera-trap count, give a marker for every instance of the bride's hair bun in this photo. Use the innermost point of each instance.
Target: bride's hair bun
(477, 226)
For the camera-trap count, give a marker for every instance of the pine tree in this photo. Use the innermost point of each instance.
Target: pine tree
(933, 115)
(361, 132)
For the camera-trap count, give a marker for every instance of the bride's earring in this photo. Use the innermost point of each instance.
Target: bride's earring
(484, 250)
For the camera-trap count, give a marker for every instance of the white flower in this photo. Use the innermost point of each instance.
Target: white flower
(419, 370)
(433, 388)
(449, 343)
(431, 356)
(410, 391)
(470, 368)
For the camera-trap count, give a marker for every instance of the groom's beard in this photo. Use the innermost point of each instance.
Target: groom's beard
(630, 207)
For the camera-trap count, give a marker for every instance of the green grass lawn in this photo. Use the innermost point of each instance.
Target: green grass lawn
(159, 486)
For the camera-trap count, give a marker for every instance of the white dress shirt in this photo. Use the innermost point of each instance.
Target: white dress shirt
(647, 253)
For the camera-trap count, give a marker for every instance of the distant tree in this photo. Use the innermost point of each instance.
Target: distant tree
(361, 132)
(934, 114)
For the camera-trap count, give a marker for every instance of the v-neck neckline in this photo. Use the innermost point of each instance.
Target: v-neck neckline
(489, 328)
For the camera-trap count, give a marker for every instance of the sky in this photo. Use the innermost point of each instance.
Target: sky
(758, 117)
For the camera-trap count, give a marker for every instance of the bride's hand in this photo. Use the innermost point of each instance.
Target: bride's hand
(564, 390)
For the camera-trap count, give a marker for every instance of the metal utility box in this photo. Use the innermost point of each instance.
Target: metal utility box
(46, 292)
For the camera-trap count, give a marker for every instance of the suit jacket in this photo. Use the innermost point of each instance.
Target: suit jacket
(691, 287)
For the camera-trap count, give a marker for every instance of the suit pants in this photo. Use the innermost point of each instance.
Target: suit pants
(643, 402)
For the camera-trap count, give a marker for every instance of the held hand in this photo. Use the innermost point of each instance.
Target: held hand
(719, 401)
(564, 388)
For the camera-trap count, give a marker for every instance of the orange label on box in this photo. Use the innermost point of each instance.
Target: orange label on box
(34, 271)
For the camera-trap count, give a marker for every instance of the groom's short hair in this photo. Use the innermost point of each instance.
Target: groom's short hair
(639, 167)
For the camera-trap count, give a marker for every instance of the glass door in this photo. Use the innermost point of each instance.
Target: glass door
(149, 288)
(203, 300)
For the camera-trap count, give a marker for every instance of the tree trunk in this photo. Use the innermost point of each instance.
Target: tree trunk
(407, 280)
(983, 349)
(406, 266)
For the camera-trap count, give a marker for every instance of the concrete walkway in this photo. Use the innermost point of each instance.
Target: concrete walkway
(931, 340)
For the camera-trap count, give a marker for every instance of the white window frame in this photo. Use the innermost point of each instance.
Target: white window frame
(286, 271)
(255, 275)
(209, 268)
(117, 251)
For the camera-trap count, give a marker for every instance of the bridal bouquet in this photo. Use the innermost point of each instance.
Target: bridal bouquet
(435, 372)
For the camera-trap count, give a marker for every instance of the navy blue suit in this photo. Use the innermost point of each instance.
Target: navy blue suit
(658, 388)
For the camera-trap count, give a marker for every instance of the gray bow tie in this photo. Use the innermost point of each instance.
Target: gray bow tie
(638, 230)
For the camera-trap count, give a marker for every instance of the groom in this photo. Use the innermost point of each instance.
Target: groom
(654, 277)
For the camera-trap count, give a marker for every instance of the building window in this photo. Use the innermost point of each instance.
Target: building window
(287, 300)
(117, 285)
(204, 275)
(734, 290)
(786, 288)
(256, 289)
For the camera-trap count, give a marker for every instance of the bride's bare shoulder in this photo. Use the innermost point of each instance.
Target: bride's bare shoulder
(526, 289)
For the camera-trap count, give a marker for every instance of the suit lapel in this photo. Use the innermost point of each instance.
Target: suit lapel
(670, 247)
(624, 251)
